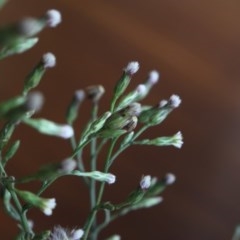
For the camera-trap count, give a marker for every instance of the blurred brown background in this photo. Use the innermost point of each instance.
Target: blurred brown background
(195, 46)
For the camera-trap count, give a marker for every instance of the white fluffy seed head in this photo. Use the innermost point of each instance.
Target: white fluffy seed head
(153, 77)
(145, 182)
(66, 131)
(49, 60)
(131, 68)
(170, 178)
(53, 17)
(175, 101)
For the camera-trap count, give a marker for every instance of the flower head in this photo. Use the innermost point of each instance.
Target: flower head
(60, 233)
(169, 178)
(49, 60)
(145, 182)
(175, 101)
(131, 68)
(153, 77)
(48, 205)
(53, 17)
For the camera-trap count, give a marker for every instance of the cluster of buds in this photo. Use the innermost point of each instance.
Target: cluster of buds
(19, 37)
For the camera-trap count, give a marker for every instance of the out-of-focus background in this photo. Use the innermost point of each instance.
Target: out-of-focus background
(195, 46)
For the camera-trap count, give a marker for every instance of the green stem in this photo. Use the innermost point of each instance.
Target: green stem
(119, 151)
(23, 218)
(78, 155)
(93, 162)
(93, 213)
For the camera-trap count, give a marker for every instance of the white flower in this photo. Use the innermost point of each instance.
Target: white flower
(169, 179)
(77, 234)
(178, 140)
(66, 131)
(49, 60)
(175, 101)
(131, 68)
(53, 17)
(145, 182)
(153, 77)
(68, 165)
(163, 103)
(60, 233)
(48, 205)
(141, 89)
(110, 178)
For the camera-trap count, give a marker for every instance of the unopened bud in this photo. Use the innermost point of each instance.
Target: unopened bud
(95, 92)
(68, 165)
(34, 101)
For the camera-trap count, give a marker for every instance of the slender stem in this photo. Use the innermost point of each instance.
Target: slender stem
(136, 135)
(23, 218)
(79, 154)
(93, 162)
(93, 213)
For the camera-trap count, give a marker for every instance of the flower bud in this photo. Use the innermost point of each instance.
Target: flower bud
(72, 111)
(53, 18)
(95, 92)
(124, 81)
(145, 182)
(19, 46)
(68, 165)
(97, 175)
(169, 179)
(176, 140)
(44, 204)
(50, 128)
(131, 68)
(34, 101)
(33, 79)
